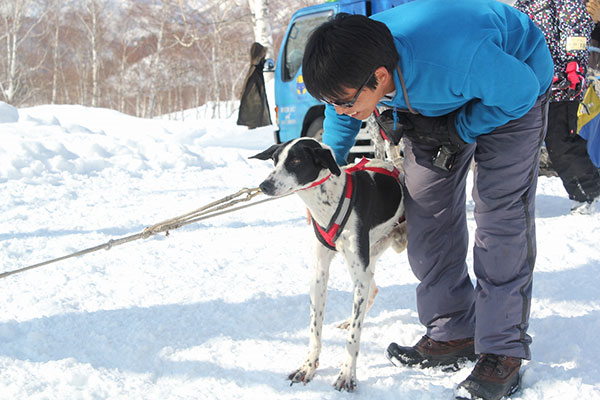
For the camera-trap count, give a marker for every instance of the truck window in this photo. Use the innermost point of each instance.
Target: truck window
(296, 41)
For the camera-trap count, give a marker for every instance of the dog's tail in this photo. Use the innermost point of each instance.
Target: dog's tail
(399, 239)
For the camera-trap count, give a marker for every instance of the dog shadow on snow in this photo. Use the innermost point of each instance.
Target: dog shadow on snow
(143, 340)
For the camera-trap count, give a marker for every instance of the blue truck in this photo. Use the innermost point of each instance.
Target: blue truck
(298, 113)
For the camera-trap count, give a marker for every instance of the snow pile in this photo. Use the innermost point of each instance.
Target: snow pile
(8, 113)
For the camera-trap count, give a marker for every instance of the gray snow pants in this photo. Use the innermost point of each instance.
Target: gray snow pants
(496, 311)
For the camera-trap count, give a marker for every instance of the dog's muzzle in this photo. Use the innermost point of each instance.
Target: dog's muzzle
(267, 187)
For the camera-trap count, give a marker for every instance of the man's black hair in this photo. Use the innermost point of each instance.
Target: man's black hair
(342, 52)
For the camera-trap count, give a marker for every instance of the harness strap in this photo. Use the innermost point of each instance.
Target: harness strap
(362, 166)
(328, 236)
(336, 225)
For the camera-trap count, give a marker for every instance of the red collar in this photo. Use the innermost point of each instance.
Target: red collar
(361, 165)
(317, 183)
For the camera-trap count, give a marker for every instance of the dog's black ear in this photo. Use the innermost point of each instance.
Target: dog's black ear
(268, 153)
(324, 158)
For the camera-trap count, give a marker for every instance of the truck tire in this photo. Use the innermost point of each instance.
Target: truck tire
(315, 129)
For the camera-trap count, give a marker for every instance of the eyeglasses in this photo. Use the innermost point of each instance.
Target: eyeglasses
(350, 103)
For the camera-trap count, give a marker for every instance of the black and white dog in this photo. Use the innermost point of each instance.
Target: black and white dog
(358, 211)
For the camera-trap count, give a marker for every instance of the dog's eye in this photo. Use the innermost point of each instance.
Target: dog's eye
(294, 161)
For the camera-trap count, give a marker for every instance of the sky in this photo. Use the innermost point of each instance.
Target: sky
(219, 309)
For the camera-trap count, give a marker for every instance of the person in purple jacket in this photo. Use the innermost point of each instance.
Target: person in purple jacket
(462, 80)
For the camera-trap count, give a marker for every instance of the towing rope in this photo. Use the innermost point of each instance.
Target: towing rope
(210, 210)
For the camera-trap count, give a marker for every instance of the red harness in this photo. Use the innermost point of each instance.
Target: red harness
(336, 225)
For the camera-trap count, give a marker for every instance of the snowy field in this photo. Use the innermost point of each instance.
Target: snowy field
(219, 309)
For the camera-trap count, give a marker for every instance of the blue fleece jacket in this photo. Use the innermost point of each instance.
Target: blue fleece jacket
(481, 56)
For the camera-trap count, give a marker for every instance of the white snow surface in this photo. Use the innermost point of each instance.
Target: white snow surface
(220, 309)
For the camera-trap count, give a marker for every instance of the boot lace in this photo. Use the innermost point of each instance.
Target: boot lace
(490, 364)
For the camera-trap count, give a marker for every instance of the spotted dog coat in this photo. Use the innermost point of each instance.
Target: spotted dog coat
(308, 168)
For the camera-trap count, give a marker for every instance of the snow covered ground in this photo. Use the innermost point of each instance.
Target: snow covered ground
(219, 309)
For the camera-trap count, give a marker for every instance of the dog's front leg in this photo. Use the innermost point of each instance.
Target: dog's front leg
(318, 298)
(372, 294)
(362, 282)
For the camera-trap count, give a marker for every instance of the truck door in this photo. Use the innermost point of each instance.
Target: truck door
(293, 101)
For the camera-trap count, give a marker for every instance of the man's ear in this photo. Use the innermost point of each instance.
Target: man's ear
(268, 153)
(324, 158)
(383, 76)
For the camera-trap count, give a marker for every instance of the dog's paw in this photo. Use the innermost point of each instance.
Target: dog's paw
(345, 381)
(345, 324)
(305, 373)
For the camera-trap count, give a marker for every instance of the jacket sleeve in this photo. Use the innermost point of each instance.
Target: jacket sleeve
(339, 133)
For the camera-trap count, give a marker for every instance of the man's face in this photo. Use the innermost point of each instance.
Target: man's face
(360, 103)
(363, 107)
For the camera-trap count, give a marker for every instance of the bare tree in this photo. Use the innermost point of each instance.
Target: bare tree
(262, 27)
(140, 57)
(125, 49)
(220, 32)
(18, 28)
(56, 19)
(156, 20)
(154, 64)
(92, 19)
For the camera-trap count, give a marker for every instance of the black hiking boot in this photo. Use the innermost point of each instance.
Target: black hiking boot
(431, 353)
(492, 378)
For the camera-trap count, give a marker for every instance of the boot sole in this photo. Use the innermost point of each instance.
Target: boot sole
(427, 362)
(514, 388)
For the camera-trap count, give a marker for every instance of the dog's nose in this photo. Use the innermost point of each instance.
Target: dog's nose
(267, 187)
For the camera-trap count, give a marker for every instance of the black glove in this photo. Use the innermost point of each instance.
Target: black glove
(434, 131)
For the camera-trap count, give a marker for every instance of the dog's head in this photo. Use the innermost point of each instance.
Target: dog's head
(298, 163)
